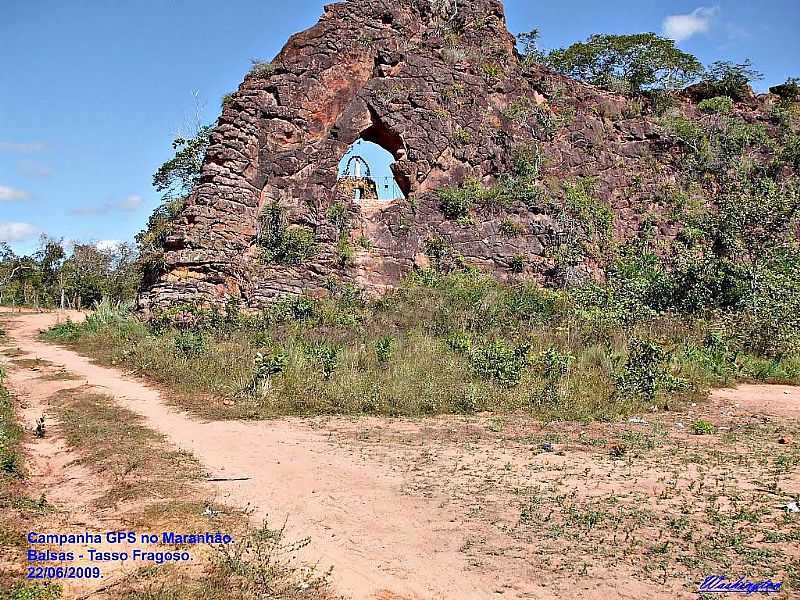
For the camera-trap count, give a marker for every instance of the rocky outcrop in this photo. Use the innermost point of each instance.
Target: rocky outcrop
(437, 83)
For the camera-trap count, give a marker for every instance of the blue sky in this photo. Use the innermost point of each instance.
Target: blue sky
(93, 91)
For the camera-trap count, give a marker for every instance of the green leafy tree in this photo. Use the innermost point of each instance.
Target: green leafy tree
(176, 179)
(724, 78)
(632, 63)
(528, 43)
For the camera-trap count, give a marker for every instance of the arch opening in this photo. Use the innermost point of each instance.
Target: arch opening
(365, 172)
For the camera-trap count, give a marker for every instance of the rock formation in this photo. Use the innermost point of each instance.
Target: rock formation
(440, 85)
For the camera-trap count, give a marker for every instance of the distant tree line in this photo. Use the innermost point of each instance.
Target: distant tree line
(68, 275)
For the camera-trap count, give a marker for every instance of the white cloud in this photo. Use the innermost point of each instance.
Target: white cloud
(107, 245)
(21, 147)
(11, 231)
(682, 27)
(127, 204)
(9, 194)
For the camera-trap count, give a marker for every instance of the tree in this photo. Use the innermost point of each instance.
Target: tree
(637, 62)
(530, 51)
(724, 78)
(178, 176)
(50, 258)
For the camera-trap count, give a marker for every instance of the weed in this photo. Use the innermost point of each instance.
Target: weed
(702, 427)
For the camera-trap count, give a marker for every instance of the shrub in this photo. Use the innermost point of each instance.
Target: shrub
(68, 331)
(517, 263)
(688, 132)
(456, 201)
(526, 161)
(788, 91)
(345, 253)
(281, 242)
(339, 216)
(32, 591)
(459, 341)
(644, 373)
(555, 363)
(500, 361)
(190, 343)
(266, 366)
(718, 105)
(297, 244)
(384, 348)
(325, 354)
(511, 228)
(263, 564)
(261, 68)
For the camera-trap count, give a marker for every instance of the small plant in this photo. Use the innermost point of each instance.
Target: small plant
(339, 216)
(345, 253)
(459, 341)
(456, 201)
(511, 228)
(68, 331)
(266, 366)
(492, 70)
(189, 343)
(462, 136)
(227, 99)
(261, 68)
(264, 564)
(326, 355)
(702, 427)
(517, 263)
(384, 348)
(555, 363)
(644, 373)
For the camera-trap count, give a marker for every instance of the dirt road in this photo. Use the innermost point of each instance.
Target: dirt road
(389, 533)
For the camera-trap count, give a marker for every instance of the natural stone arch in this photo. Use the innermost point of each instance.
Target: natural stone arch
(386, 73)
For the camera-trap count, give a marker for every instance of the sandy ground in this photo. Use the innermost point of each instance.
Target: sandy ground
(417, 509)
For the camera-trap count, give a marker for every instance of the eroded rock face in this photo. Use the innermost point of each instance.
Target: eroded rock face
(439, 85)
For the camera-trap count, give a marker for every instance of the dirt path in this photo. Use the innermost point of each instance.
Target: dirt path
(381, 542)
(431, 510)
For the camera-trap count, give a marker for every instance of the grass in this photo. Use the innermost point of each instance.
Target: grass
(259, 564)
(458, 343)
(137, 461)
(150, 486)
(17, 509)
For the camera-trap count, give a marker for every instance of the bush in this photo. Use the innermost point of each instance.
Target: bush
(190, 343)
(384, 348)
(718, 105)
(266, 366)
(31, 591)
(326, 355)
(68, 331)
(281, 242)
(500, 361)
(644, 374)
(456, 201)
(511, 228)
